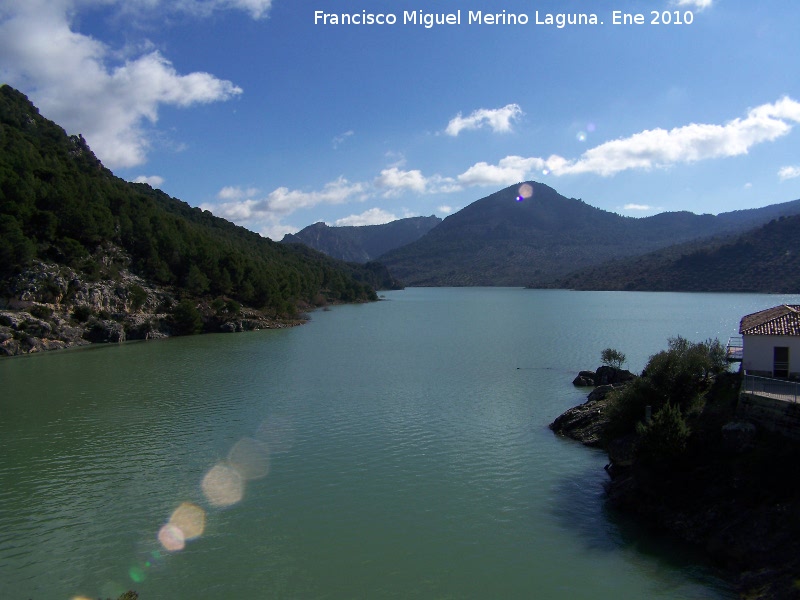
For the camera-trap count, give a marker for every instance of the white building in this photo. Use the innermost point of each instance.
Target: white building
(771, 342)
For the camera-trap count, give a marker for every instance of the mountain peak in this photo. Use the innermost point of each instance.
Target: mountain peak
(511, 238)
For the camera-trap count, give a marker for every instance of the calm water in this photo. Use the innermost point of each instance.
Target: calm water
(409, 455)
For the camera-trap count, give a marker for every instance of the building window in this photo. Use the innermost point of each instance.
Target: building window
(780, 361)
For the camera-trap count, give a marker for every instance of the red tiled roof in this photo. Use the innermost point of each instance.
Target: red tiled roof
(779, 320)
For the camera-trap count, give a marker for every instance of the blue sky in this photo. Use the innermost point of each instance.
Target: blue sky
(251, 110)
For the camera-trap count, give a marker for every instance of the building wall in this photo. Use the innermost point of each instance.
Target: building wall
(758, 353)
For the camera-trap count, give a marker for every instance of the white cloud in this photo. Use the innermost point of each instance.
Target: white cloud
(249, 208)
(397, 159)
(445, 209)
(75, 80)
(511, 169)
(698, 4)
(690, 143)
(275, 230)
(498, 119)
(256, 8)
(236, 193)
(373, 216)
(286, 201)
(154, 181)
(396, 181)
(790, 172)
(655, 148)
(638, 207)
(340, 139)
(198, 8)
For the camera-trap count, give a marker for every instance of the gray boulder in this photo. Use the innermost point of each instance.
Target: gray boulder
(584, 379)
(606, 375)
(103, 331)
(599, 393)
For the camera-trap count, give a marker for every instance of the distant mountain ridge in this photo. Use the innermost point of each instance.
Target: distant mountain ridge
(498, 241)
(363, 243)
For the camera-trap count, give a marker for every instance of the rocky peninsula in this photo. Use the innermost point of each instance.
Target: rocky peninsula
(733, 492)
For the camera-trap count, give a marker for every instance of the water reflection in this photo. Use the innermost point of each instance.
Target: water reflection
(582, 509)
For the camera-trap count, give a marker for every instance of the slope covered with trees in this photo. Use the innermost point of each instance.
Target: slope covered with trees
(764, 259)
(58, 203)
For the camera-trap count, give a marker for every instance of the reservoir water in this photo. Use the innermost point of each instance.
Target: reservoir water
(397, 449)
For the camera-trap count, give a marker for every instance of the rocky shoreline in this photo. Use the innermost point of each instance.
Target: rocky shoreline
(736, 497)
(52, 307)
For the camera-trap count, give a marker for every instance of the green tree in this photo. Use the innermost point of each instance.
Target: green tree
(683, 372)
(137, 295)
(15, 249)
(186, 318)
(612, 358)
(196, 281)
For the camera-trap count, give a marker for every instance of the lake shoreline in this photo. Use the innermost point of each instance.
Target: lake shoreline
(23, 333)
(721, 504)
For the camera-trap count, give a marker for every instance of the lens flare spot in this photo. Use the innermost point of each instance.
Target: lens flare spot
(136, 574)
(250, 458)
(545, 172)
(524, 191)
(591, 127)
(277, 433)
(171, 538)
(222, 486)
(190, 519)
(581, 137)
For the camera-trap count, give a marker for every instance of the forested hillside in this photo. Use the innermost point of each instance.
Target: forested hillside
(58, 203)
(765, 259)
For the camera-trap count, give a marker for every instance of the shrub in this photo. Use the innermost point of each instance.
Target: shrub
(41, 312)
(679, 376)
(627, 408)
(233, 307)
(137, 295)
(81, 313)
(217, 305)
(662, 441)
(682, 373)
(186, 318)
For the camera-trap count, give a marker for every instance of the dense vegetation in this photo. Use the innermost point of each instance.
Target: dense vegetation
(674, 384)
(364, 243)
(59, 203)
(501, 241)
(697, 470)
(766, 259)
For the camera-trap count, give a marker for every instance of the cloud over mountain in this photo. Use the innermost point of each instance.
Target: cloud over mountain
(82, 83)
